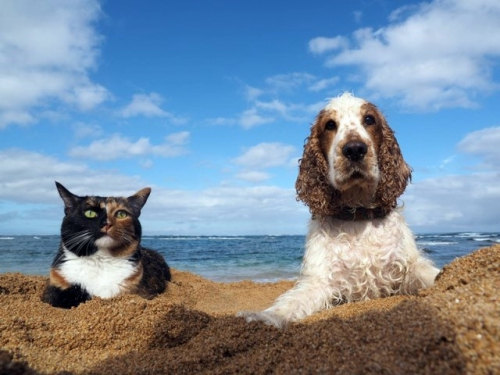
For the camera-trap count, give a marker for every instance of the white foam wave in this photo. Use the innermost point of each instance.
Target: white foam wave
(198, 238)
(435, 236)
(472, 235)
(436, 243)
(485, 239)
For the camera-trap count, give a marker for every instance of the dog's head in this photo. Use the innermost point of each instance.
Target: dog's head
(351, 159)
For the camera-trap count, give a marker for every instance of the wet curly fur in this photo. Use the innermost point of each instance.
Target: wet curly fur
(359, 246)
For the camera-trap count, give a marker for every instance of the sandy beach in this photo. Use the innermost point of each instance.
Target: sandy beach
(451, 328)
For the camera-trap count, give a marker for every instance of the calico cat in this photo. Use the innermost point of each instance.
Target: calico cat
(100, 252)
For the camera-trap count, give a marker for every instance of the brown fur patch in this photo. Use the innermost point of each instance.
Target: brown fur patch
(126, 250)
(121, 230)
(324, 135)
(56, 279)
(131, 283)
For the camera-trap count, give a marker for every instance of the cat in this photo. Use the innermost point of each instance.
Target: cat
(100, 254)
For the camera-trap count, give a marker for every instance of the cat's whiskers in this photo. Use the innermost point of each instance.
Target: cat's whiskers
(77, 238)
(81, 239)
(58, 257)
(126, 238)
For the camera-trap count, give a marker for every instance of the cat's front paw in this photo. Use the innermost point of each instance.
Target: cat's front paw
(266, 317)
(65, 298)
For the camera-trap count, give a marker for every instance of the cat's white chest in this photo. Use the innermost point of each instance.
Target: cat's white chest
(101, 274)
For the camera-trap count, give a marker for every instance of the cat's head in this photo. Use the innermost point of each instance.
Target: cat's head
(109, 223)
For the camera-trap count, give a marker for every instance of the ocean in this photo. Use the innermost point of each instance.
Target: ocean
(228, 258)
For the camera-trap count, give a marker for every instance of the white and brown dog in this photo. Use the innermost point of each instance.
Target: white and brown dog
(359, 246)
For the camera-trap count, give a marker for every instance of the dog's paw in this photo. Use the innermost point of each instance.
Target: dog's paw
(266, 317)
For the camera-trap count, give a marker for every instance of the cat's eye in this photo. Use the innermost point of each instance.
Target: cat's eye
(91, 214)
(121, 214)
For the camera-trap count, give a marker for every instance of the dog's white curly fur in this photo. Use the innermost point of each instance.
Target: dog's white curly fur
(348, 261)
(351, 261)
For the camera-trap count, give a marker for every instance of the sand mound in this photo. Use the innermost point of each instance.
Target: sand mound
(451, 328)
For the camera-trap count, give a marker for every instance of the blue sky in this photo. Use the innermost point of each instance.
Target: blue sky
(209, 102)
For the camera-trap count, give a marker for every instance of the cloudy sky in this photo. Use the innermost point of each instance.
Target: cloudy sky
(209, 102)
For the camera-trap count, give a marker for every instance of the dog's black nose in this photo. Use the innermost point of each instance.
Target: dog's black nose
(355, 151)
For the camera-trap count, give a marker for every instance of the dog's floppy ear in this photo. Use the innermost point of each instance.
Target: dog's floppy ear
(395, 173)
(312, 185)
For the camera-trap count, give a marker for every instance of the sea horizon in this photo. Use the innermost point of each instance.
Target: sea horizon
(230, 258)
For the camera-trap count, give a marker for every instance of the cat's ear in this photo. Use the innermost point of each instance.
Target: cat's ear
(68, 198)
(138, 200)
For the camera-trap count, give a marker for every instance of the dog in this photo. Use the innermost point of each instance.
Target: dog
(358, 246)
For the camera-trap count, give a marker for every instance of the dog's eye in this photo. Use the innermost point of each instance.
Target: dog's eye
(369, 120)
(330, 125)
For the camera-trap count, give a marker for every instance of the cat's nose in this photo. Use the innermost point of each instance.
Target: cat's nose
(106, 225)
(106, 228)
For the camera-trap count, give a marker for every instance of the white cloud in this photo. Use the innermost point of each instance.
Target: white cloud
(20, 117)
(465, 202)
(148, 105)
(265, 155)
(178, 139)
(146, 164)
(27, 183)
(485, 144)
(454, 203)
(252, 93)
(28, 177)
(254, 160)
(83, 130)
(288, 111)
(250, 118)
(266, 111)
(47, 49)
(323, 84)
(261, 113)
(267, 108)
(87, 95)
(447, 161)
(321, 44)
(253, 176)
(358, 16)
(274, 106)
(145, 105)
(118, 147)
(402, 12)
(227, 210)
(441, 55)
(316, 107)
(221, 121)
(288, 82)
